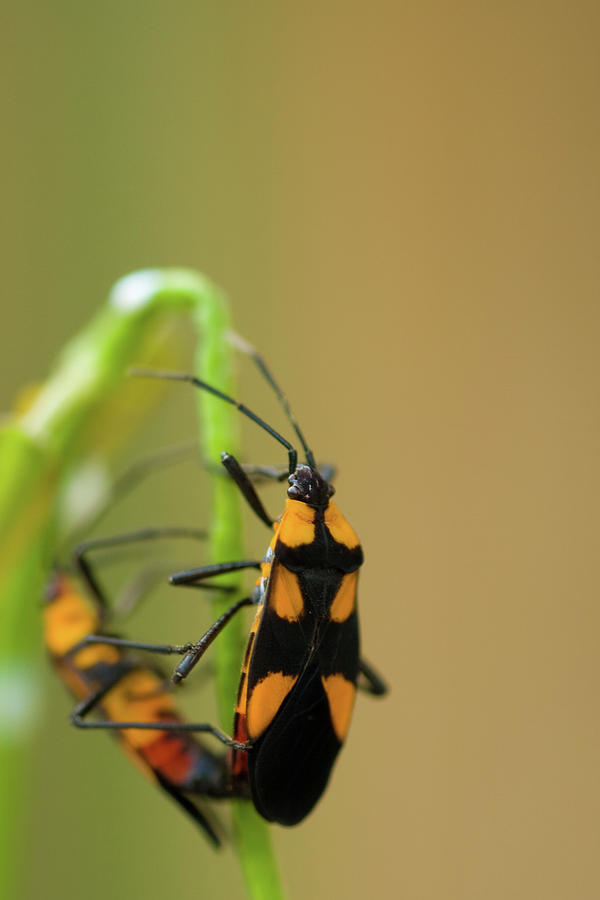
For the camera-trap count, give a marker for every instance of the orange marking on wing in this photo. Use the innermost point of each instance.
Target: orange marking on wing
(345, 599)
(264, 701)
(243, 685)
(339, 528)
(340, 694)
(285, 596)
(297, 524)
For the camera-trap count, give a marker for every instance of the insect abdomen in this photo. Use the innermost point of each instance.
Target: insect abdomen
(291, 763)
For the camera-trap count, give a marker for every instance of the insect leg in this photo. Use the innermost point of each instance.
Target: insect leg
(86, 706)
(153, 462)
(246, 487)
(136, 473)
(141, 584)
(375, 684)
(199, 647)
(193, 651)
(245, 476)
(265, 473)
(87, 572)
(108, 640)
(190, 576)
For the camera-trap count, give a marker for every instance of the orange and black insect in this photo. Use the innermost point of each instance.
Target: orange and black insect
(111, 680)
(302, 664)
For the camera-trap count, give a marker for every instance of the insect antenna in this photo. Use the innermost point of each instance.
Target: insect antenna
(240, 344)
(197, 382)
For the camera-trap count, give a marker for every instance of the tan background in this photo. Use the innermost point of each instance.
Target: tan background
(402, 201)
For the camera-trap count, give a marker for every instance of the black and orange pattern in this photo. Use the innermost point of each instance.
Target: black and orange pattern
(177, 761)
(301, 666)
(302, 663)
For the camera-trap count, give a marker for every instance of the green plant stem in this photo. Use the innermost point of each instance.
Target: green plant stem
(219, 432)
(37, 449)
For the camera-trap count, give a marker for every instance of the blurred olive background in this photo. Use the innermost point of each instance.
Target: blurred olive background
(402, 202)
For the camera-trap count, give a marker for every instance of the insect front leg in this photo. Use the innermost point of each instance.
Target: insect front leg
(194, 577)
(243, 482)
(88, 573)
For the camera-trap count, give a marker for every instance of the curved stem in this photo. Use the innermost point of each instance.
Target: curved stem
(219, 432)
(37, 450)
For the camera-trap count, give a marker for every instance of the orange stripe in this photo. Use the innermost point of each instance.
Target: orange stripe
(297, 524)
(340, 694)
(285, 596)
(339, 528)
(267, 696)
(344, 601)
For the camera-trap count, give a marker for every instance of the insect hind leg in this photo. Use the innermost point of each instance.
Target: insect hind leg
(372, 682)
